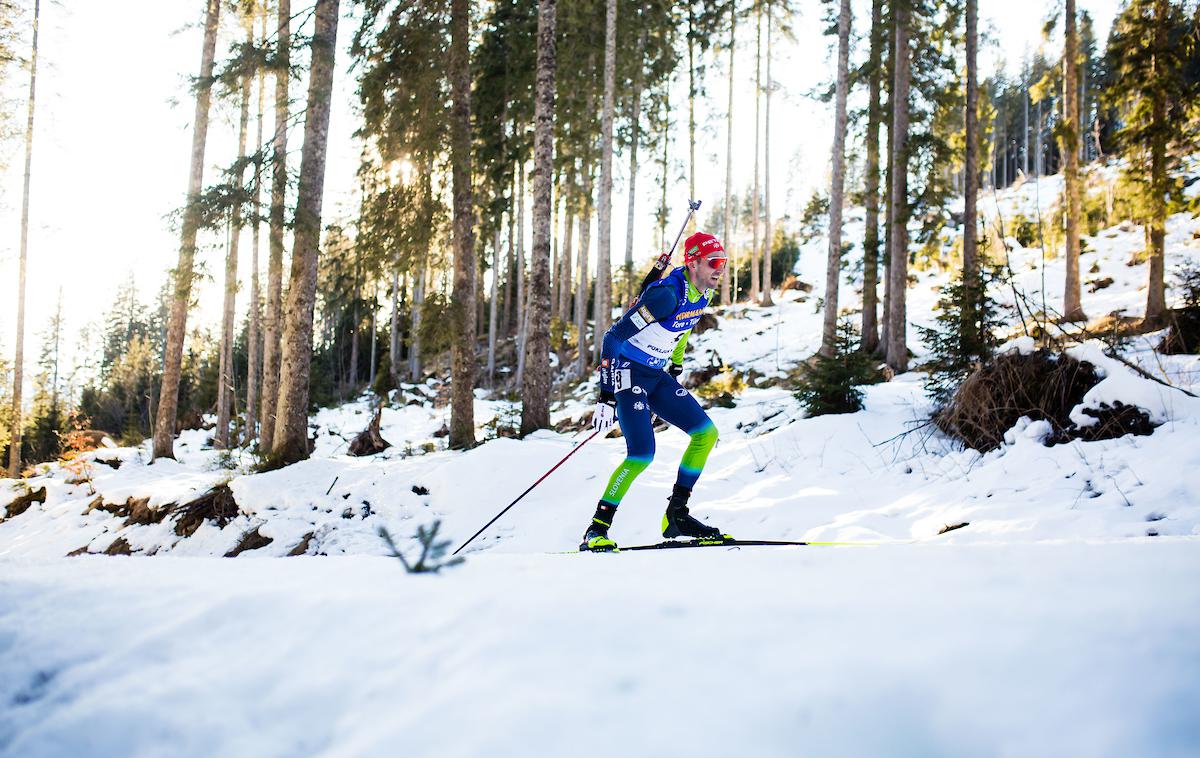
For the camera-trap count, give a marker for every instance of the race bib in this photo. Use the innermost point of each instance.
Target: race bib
(622, 380)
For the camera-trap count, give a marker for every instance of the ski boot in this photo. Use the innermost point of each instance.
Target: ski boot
(677, 522)
(596, 540)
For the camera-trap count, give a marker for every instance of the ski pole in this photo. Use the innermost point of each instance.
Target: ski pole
(665, 258)
(526, 492)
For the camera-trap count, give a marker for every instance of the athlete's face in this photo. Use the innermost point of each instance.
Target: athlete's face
(706, 273)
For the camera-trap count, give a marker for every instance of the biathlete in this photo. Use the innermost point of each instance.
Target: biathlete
(641, 358)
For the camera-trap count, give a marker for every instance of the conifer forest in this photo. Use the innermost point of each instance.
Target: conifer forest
(908, 290)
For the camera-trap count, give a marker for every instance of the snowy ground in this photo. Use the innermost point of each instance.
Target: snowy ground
(1062, 621)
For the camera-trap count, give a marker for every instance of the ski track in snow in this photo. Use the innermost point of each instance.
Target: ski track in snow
(1062, 621)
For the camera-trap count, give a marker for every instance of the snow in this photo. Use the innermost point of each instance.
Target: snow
(1061, 621)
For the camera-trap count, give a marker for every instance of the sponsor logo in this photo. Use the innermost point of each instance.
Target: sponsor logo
(637, 390)
(688, 314)
(637, 320)
(639, 406)
(646, 314)
(681, 392)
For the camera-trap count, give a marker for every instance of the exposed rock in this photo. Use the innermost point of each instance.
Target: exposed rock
(118, 547)
(302, 547)
(251, 540)
(23, 501)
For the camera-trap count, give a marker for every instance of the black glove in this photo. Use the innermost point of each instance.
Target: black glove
(675, 369)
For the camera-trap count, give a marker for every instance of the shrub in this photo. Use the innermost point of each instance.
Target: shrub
(963, 338)
(832, 383)
(1040, 385)
(1183, 331)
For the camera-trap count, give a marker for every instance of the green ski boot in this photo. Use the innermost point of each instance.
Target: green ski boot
(596, 540)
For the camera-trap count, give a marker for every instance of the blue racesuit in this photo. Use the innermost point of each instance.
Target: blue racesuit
(634, 357)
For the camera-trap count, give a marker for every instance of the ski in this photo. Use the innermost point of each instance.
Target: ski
(729, 542)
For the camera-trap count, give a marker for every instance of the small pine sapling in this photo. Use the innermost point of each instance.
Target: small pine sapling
(963, 338)
(1183, 334)
(832, 383)
(432, 550)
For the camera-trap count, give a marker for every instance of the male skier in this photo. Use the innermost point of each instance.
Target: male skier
(641, 358)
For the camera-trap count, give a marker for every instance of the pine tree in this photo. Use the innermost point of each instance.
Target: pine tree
(1153, 94)
(291, 423)
(168, 401)
(832, 382)
(1069, 147)
(14, 453)
(462, 398)
(897, 347)
(833, 263)
(272, 317)
(535, 391)
(870, 312)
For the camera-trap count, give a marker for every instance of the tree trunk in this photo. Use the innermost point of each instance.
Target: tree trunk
(1156, 224)
(355, 320)
(833, 265)
(581, 288)
(603, 310)
(1072, 302)
(493, 309)
(291, 421)
(462, 397)
(767, 237)
(506, 318)
(168, 398)
(726, 222)
(535, 389)
(754, 217)
(1025, 127)
(870, 298)
(888, 119)
(897, 348)
(970, 272)
(374, 328)
(415, 316)
(635, 126)
(566, 248)
(253, 356)
(225, 373)
(272, 324)
(394, 327)
(522, 305)
(14, 448)
(557, 223)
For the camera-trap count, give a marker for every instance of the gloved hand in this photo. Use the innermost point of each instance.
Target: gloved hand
(605, 414)
(675, 369)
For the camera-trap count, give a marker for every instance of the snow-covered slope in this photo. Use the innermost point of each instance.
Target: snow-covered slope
(1062, 620)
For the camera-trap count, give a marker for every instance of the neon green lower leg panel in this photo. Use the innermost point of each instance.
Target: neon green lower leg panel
(703, 441)
(623, 477)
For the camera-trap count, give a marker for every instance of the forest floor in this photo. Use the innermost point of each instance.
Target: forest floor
(1063, 620)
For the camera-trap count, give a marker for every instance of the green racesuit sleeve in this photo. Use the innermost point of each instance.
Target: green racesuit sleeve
(677, 356)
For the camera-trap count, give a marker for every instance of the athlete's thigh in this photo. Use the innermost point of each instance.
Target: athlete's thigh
(633, 413)
(676, 405)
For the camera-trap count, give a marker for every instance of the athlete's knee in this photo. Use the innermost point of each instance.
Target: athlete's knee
(706, 436)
